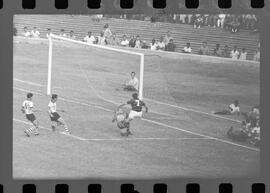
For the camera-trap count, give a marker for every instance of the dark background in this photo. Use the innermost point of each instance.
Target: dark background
(11, 7)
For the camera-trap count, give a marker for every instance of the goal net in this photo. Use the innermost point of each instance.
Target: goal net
(94, 73)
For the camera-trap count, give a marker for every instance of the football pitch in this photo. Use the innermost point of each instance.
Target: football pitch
(178, 137)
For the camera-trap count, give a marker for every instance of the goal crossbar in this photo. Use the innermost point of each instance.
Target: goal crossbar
(53, 36)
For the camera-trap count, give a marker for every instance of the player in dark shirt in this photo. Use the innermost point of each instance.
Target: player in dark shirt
(136, 107)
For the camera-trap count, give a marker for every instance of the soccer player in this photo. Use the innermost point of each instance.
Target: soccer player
(232, 109)
(133, 83)
(136, 107)
(121, 117)
(27, 109)
(54, 116)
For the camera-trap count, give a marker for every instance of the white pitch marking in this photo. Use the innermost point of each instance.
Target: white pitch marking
(202, 135)
(159, 102)
(193, 110)
(114, 139)
(69, 135)
(146, 138)
(33, 83)
(165, 125)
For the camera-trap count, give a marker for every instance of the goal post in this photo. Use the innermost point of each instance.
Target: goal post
(50, 59)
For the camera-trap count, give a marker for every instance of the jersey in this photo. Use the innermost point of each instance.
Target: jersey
(52, 107)
(136, 104)
(28, 107)
(234, 108)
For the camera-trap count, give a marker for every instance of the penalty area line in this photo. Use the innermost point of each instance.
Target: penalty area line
(159, 123)
(69, 135)
(113, 139)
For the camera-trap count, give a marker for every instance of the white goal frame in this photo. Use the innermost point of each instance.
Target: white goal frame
(52, 36)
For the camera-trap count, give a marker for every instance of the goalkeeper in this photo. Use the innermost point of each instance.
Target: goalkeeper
(121, 117)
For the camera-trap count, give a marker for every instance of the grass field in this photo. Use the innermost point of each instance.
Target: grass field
(179, 137)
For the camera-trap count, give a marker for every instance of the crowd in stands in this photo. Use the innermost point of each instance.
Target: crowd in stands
(164, 43)
(231, 22)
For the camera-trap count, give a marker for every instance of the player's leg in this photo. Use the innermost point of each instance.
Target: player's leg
(223, 112)
(34, 128)
(61, 121)
(36, 124)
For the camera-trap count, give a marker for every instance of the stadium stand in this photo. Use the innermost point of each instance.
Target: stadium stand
(181, 33)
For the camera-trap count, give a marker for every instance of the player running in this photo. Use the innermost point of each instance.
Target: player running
(121, 117)
(54, 116)
(136, 107)
(27, 109)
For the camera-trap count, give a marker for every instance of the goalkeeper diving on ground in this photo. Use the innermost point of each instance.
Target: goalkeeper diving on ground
(123, 118)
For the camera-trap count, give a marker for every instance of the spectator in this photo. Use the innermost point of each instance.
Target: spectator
(153, 45)
(137, 42)
(124, 41)
(15, 31)
(132, 41)
(204, 49)
(35, 33)
(217, 51)
(235, 25)
(220, 21)
(144, 45)
(232, 109)
(114, 41)
(228, 21)
(226, 52)
(89, 38)
(171, 46)
(62, 33)
(101, 39)
(161, 44)
(187, 48)
(107, 32)
(48, 33)
(167, 38)
(243, 54)
(71, 35)
(235, 53)
(256, 56)
(133, 83)
(26, 33)
(198, 21)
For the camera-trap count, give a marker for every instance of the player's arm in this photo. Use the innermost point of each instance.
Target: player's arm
(49, 111)
(23, 109)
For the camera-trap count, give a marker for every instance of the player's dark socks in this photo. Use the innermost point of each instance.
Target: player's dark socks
(53, 128)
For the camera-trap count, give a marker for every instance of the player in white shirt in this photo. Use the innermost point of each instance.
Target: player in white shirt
(133, 83)
(90, 39)
(232, 109)
(35, 33)
(54, 116)
(28, 110)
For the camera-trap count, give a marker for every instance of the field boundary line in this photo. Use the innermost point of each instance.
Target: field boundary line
(165, 125)
(69, 135)
(155, 101)
(36, 84)
(115, 139)
(193, 110)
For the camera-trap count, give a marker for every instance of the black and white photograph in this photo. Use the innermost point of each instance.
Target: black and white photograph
(136, 96)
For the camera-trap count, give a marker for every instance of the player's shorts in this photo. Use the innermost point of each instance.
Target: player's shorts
(134, 114)
(123, 125)
(30, 117)
(55, 116)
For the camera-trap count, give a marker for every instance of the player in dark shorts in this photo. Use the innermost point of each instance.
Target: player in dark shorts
(54, 116)
(136, 107)
(28, 110)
